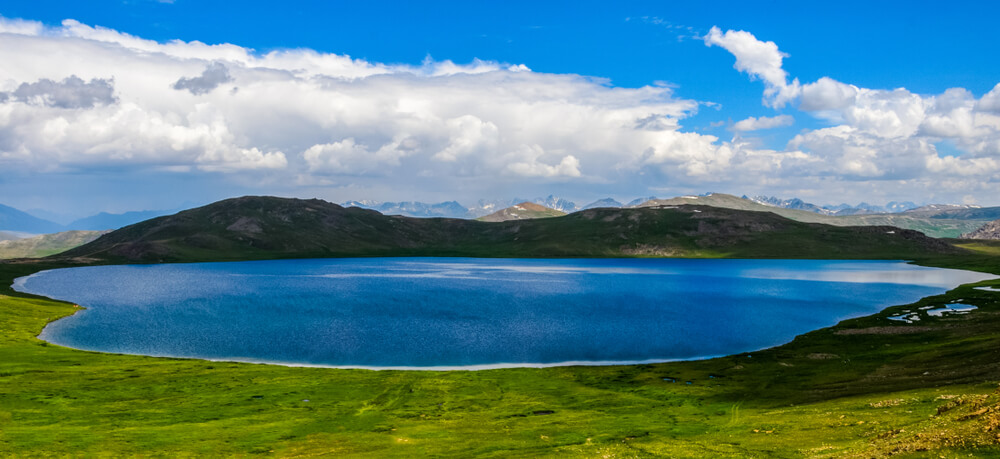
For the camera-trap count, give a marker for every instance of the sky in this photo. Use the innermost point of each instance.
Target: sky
(139, 104)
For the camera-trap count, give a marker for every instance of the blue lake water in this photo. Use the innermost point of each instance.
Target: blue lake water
(464, 312)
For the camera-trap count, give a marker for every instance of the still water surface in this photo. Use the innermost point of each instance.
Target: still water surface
(464, 312)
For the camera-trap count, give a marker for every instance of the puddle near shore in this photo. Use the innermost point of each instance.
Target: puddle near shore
(953, 308)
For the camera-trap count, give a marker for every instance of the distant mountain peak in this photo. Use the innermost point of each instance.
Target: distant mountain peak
(15, 220)
(842, 209)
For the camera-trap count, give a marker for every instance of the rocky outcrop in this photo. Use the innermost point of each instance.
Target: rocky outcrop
(990, 230)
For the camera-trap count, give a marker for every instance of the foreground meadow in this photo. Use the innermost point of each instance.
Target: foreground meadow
(868, 387)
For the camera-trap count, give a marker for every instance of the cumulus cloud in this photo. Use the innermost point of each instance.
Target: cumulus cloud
(331, 117)
(77, 96)
(214, 75)
(827, 94)
(759, 59)
(530, 164)
(71, 92)
(20, 26)
(764, 122)
(990, 101)
(877, 134)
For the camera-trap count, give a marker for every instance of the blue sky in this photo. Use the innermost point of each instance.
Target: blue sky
(844, 152)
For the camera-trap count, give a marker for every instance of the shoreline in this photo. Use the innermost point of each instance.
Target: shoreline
(20, 281)
(917, 388)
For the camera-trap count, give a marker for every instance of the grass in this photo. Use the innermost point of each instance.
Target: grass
(868, 387)
(979, 246)
(46, 244)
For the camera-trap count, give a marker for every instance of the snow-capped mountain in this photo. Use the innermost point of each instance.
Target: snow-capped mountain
(842, 209)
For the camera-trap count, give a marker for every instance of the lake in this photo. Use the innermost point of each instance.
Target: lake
(445, 313)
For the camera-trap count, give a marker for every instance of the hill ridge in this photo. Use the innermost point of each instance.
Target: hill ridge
(255, 227)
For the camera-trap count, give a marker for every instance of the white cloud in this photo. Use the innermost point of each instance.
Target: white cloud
(877, 134)
(990, 101)
(827, 94)
(95, 98)
(20, 26)
(190, 105)
(764, 122)
(529, 164)
(759, 59)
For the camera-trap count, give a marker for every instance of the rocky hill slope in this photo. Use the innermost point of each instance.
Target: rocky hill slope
(990, 230)
(46, 244)
(522, 211)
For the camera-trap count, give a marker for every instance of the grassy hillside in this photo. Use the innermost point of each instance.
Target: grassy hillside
(264, 227)
(868, 387)
(46, 244)
(522, 211)
(951, 223)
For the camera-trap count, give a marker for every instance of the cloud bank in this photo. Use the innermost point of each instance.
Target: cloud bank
(78, 97)
(878, 134)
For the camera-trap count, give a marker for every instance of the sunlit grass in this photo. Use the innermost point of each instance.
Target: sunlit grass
(866, 394)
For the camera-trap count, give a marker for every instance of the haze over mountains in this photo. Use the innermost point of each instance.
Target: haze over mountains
(19, 224)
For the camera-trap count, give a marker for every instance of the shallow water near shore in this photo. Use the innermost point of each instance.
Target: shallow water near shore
(454, 313)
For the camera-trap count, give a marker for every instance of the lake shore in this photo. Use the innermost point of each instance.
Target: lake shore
(468, 313)
(828, 393)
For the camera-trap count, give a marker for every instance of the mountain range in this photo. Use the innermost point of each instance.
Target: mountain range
(255, 227)
(16, 224)
(842, 209)
(483, 207)
(939, 221)
(13, 220)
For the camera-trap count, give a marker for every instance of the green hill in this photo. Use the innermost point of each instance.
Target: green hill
(267, 227)
(45, 244)
(522, 211)
(938, 223)
(867, 387)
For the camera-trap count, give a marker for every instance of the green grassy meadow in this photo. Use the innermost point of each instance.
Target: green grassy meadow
(868, 387)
